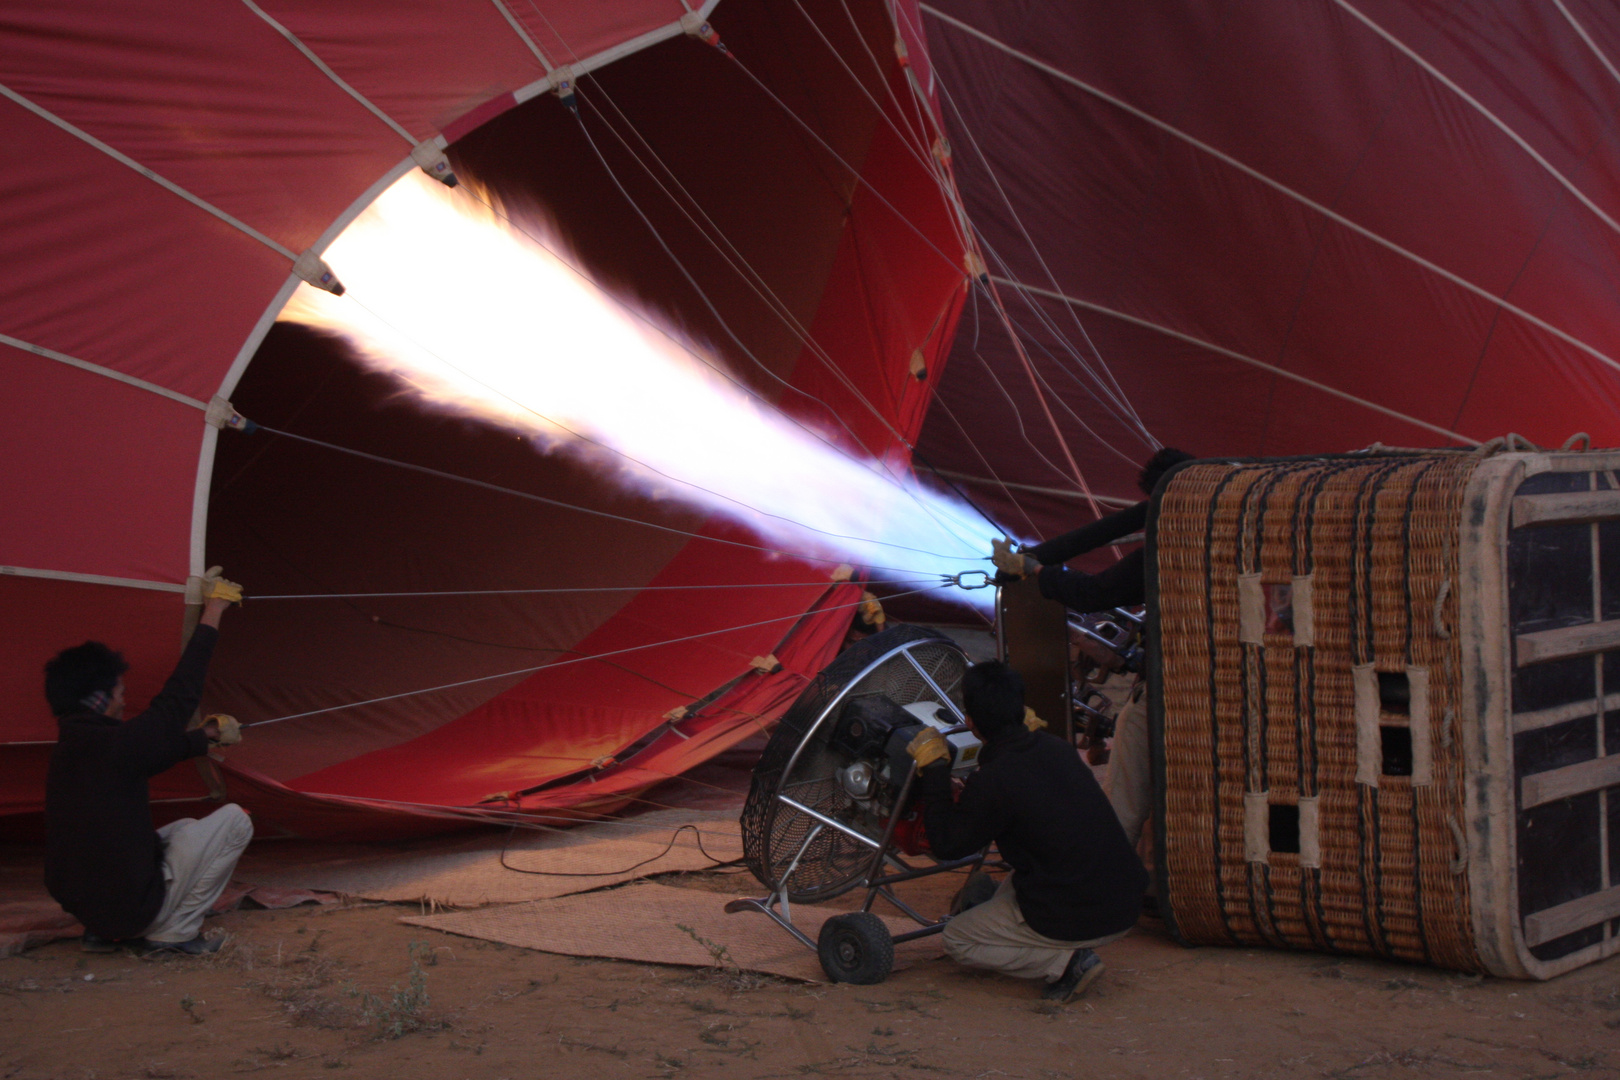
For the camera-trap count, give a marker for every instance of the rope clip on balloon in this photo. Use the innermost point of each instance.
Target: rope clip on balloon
(562, 81)
(430, 156)
(223, 415)
(697, 26)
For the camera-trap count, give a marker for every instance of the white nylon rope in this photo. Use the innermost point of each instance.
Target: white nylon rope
(939, 400)
(685, 347)
(579, 589)
(930, 166)
(439, 474)
(1117, 392)
(703, 295)
(1117, 404)
(1005, 317)
(1123, 413)
(650, 468)
(1110, 385)
(924, 116)
(575, 660)
(1018, 417)
(1480, 108)
(836, 156)
(815, 349)
(1064, 405)
(1078, 477)
(1245, 359)
(1120, 403)
(1278, 186)
(744, 269)
(773, 301)
(1061, 493)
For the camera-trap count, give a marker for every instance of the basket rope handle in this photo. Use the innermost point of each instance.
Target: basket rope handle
(1440, 629)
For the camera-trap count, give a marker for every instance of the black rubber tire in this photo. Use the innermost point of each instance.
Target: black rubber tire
(855, 948)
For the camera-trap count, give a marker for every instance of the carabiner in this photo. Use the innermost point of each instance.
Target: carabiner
(961, 584)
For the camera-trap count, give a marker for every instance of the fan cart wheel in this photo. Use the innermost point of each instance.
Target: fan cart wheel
(856, 948)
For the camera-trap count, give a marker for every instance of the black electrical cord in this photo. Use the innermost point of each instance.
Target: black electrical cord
(718, 863)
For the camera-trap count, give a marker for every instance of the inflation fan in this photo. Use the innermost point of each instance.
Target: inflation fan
(830, 809)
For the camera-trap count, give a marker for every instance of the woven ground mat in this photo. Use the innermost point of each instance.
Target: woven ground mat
(466, 870)
(657, 924)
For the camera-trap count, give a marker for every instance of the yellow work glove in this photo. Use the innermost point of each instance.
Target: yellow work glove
(871, 610)
(1033, 722)
(230, 731)
(927, 747)
(215, 587)
(1008, 561)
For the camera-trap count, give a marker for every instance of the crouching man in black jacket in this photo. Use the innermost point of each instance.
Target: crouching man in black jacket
(104, 863)
(1076, 882)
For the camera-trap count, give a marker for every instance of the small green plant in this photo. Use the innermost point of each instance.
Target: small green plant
(188, 1005)
(719, 953)
(400, 1011)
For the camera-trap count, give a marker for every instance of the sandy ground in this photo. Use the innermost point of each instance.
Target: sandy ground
(324, 992)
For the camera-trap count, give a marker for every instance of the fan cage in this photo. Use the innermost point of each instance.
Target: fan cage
(906, 664)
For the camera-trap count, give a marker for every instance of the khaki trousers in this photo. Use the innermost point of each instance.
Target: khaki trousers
(1130, 777)
(197, 866)
(995, 937)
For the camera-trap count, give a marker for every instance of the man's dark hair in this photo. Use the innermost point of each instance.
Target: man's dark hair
(993, 696)
(1167, 458)
(74, 674)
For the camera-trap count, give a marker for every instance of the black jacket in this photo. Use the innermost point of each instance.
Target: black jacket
(1122, 585)
(103, 861)
(1073, 870)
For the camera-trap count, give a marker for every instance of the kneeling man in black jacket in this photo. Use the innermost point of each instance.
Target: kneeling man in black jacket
(130, 884)
(1076, 882)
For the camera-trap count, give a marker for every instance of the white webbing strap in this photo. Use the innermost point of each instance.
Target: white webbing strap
(1310, 836)
(1369, 741)
(1256, 826)
(1251, 610)
(1304, 606)
(1417, 680)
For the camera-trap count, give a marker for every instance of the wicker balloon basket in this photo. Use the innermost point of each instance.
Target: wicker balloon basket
(1386, 706)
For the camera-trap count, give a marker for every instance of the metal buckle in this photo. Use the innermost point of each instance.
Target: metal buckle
(961, 584)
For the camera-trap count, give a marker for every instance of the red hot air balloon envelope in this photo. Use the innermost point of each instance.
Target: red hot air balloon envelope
(170, 179)
(1276, 228)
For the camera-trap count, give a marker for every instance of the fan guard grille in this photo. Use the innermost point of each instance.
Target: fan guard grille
(774, 832)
